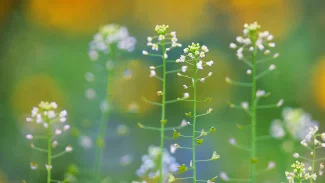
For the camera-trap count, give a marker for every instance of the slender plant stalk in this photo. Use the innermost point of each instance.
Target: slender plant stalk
(49, 150)
(253, 110)
(194, 124)
(163, 112)
(100, 146)
(313, 159)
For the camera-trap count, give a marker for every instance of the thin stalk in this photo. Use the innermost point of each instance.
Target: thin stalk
(103, 125)
(313, 160)
(163, 111)
(49, 152)
(253, 111)
(194, 124)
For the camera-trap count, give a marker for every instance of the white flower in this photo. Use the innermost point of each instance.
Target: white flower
(296, 155)
(204, 48)
(304, 143)
(152, 67)
(266, 52)
(66, 127)
(260, 46)
(62, 120)
(161, 37)
(155, 47)
(48, 167)
(199, 65)
(149, 39)
(33, 166)
(186, 95)
(144, 52)
(173, 148)
(68, 149)
(276, 55)
(29, 137)
(244, 105)
(224, 176)
(54, 143)
(233, 46)
(202, 54)
(260, 93)
(277, 131)
(239, 39)
(185, 87)
(28, 119)
(152, 73)
(85, 142)
(251, 48)
(63, 113)
(45, 125)
(272, 67)
(232, 141)
(54, 105)
(209, 63)
(202, 80)
(184, 123)
(39, 119)
(272, 45)
(271, 165)
(58, 131)
(280, 103)
(51, 114)
(184, 68)
(270, 37)
(210, 74)
(165, 56)
(249, 72)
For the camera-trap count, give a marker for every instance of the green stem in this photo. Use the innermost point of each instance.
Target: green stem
(313, 159)
(194, 124)
(49, 152)
(163, 118)
(103, 125)
(253, 111)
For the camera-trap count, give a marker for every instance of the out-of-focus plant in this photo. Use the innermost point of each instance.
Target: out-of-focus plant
(53, 121)
(253, 49)
(110, 41)
(193, 62)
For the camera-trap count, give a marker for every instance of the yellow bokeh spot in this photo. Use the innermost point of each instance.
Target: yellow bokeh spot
(30, 91)
(127, 91)
(186, 18)
(5, 8)
(318, 81)
(213, 87)
(277, 16)
(76, 16)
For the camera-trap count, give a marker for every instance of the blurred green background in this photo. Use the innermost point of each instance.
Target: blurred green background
(44, 55)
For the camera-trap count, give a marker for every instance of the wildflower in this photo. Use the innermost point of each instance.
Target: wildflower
(272, 67)
(150, 168)
(244, 105)
(224, 176)
(271, 165)
(33, 166)
(66, 127)
(280, 103)
(215, 156)
(202, 80)
(249, 72)
(232, 141)
(266, 52)
(199, 65)
(54, 144)
(126, 160)
(152, 73)
(90, 94)
(68, 149)
(233, 46)
(210, 74)
(185, 87)
(276, 55)
(48, 167)
(89, 77)
(186, 95)
(184, 68)
(144, 52)
(173, 148)
(209, 63)
(85, 142)
(184, 123)
(277, 131)
(260, 93)
(296, 155)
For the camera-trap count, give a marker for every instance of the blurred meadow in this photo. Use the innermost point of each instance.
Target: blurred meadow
(44, 57)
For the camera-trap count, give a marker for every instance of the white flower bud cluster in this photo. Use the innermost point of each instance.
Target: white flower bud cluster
(109, 35)
(300, 173)
(150, 168)
(295, 121)
(170, 40)
(253, 40)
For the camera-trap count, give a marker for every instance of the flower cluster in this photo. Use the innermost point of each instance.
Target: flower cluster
(47, 115)
(167, 41)
(109, 35)
(300, 173)
(150, 165)
(296, 122)
(252, 40)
